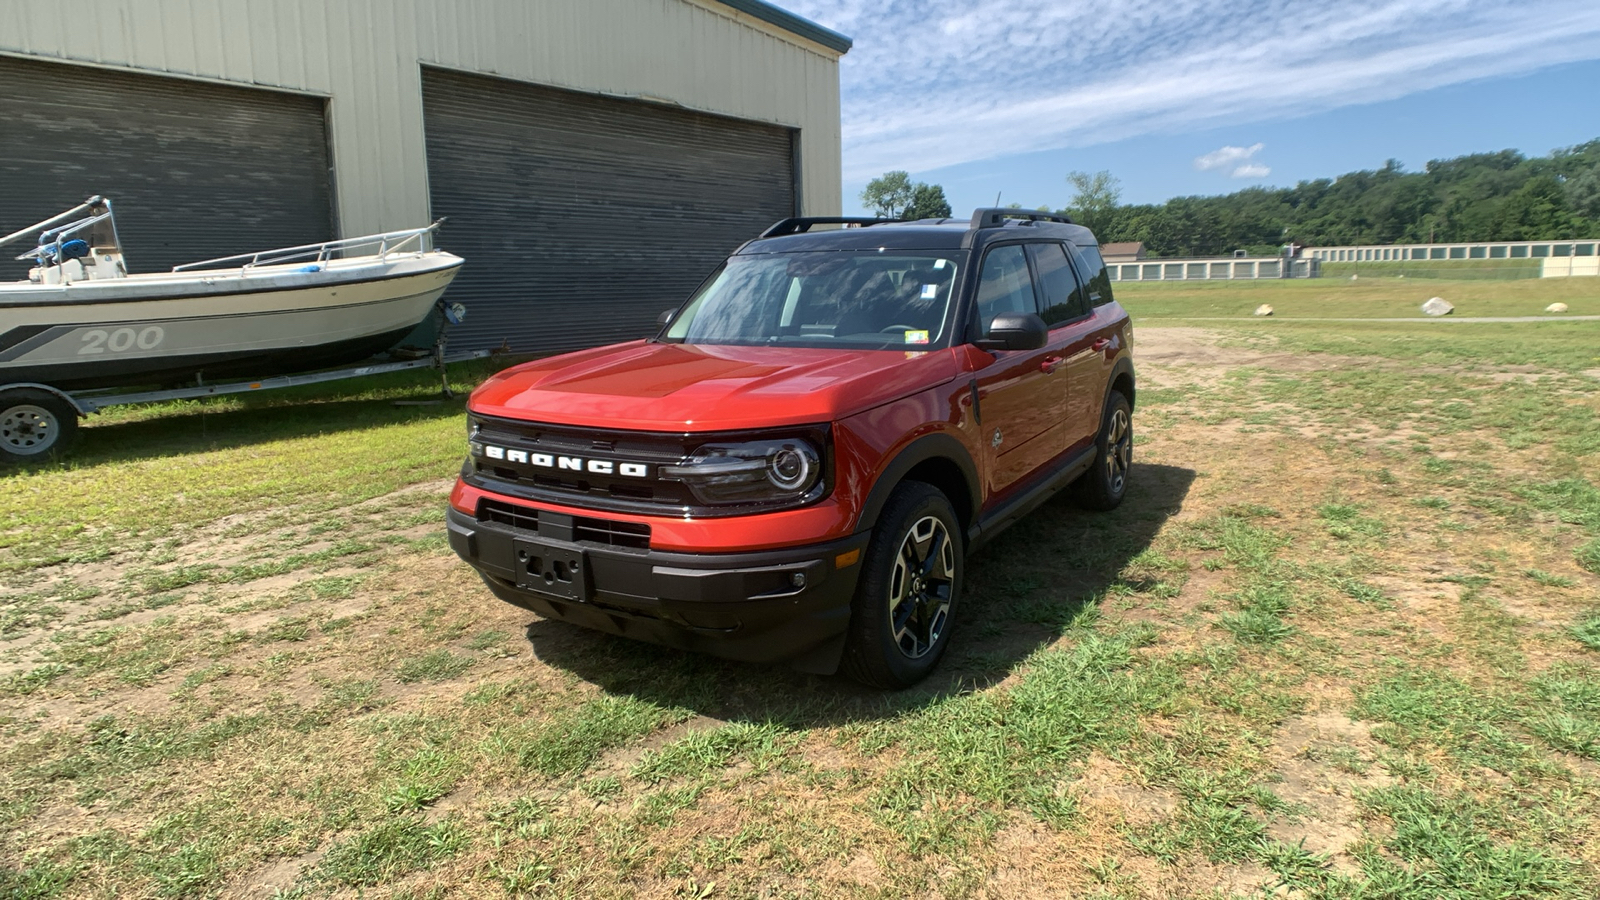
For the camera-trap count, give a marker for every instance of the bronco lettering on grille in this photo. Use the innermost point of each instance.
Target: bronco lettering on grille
(567, 463)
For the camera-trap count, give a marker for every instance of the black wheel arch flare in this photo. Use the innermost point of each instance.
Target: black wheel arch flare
(928, 448)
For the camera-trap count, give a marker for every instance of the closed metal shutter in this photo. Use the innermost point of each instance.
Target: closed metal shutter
(583, 217)
(194, 170)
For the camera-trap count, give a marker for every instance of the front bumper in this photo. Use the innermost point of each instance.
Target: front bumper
(786, 605)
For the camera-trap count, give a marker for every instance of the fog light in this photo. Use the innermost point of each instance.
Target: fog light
(798, 579)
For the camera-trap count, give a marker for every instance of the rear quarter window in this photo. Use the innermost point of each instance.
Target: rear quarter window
(1093, 269)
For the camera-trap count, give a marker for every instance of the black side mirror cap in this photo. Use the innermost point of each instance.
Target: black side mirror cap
(665, 318)
(1015, 331)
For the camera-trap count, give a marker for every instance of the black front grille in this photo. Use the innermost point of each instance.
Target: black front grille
(522, 443)
(605, 469)
(563, 527)
(521, 518)
(610, 533)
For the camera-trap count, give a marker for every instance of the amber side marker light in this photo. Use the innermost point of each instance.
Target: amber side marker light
(846, 560)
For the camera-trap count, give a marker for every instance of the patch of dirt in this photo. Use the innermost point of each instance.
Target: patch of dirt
(1319, 758)
(275, 878)
(1105, 787)
(1174, 356)
(621, 760)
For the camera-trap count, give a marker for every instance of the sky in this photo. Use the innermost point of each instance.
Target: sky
(1178, 97)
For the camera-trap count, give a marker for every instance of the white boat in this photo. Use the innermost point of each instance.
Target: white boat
(82, 321)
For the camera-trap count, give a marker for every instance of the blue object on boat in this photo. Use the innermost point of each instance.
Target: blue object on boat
(311, 268)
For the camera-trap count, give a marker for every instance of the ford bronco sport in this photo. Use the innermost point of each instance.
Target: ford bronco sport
(796, 466)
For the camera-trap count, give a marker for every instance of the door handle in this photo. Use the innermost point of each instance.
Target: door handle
(1100, 345)
(1050, 363)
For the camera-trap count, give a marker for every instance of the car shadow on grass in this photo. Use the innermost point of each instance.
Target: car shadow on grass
(1023, 591)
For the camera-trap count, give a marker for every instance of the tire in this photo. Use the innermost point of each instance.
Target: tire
(1103, 486)
(910, 584)
(35, 425)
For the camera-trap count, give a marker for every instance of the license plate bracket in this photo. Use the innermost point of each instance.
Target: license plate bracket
(551, 569)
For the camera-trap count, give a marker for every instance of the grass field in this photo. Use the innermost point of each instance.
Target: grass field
(1451, 269)
(1341, 641)
(1363, 298)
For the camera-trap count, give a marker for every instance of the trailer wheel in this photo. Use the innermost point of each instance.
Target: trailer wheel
(35, 424)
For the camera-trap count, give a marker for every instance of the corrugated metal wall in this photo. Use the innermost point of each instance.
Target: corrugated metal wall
(583, 217)
(195, 171)
(364, 54)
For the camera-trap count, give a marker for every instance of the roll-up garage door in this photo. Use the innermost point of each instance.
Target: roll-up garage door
(582, 217)
(194, 170)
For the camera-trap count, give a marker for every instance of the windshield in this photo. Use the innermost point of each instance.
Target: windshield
(858, 299)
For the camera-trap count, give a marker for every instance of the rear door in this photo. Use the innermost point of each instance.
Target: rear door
(1095, 339)
(1018, 393)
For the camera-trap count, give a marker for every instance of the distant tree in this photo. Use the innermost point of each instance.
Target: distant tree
(1095, 196)
(889, 194)
(1501, 195)
(927, 202)
(893, 195)
(1583, 193)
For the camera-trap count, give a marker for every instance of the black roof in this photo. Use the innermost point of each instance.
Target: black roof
(985, 226)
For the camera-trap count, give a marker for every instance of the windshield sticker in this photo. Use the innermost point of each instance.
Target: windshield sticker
(930, 291)
(939, 263)
(916, 337)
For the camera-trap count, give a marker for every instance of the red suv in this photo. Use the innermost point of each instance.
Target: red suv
(795, 468)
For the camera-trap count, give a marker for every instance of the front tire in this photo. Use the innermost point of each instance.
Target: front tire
(1103, 486)
(35, 424)
(906, 597)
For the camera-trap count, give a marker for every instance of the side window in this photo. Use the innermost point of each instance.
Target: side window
(1093, 269)
(1063, 298)
(1004, 286)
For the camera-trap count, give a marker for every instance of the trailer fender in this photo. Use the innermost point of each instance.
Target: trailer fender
(67, 398)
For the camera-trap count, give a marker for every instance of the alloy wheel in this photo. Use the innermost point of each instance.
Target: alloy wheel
(1119, 450)
(920, 587)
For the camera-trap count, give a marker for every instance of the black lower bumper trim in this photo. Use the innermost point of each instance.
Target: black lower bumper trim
(759, 606)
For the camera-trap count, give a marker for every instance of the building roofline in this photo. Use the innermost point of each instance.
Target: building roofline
(792, 23)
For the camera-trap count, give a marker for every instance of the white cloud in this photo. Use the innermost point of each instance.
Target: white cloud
(1252, 170)
(932, 83)
(1225, 157)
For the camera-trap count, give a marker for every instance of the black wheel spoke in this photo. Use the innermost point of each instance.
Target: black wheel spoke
(935, 557)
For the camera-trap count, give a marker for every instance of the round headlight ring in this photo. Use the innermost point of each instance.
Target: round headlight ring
(789, 468)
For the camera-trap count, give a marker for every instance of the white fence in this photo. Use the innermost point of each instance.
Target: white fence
(1231, 269)
(1482, 250)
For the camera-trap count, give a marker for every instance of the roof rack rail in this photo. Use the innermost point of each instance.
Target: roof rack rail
(995, 217)
(801, 224)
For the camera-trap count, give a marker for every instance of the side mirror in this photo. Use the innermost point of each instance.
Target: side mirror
(1015, 331)
(665, 318)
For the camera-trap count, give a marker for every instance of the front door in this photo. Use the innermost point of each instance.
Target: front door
(1020, 394)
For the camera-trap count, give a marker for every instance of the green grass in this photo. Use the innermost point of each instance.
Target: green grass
(1365, 297)
(395, 848)
(1444, 269)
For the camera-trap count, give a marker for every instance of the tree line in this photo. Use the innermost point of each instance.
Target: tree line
(1500, 196)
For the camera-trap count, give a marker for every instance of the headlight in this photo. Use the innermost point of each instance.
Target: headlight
(763, 471)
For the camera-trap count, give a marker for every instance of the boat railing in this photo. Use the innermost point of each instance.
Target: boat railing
(411, 240)
(49, 243)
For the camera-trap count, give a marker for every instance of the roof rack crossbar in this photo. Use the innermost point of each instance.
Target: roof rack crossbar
(995, 217)
(802, 224)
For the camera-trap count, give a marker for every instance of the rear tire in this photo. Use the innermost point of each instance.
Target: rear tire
(35, 425)
(1103, 486)
(906, 597)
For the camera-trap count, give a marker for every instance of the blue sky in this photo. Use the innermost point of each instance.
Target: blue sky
(1199, 96)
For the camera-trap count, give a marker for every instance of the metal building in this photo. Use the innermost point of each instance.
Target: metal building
(595, 158)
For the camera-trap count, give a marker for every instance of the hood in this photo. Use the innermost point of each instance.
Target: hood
(684, 387)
